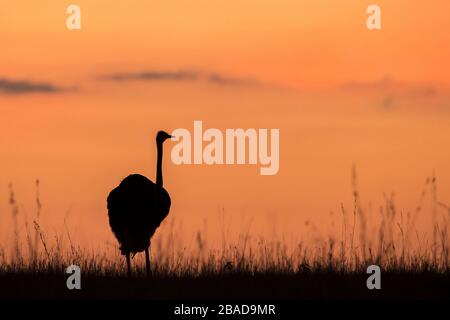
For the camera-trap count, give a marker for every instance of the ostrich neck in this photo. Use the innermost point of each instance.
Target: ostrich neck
(159, 178)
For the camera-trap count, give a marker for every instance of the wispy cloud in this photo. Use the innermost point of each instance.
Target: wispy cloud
(180, 75)
(19, 87)
(390, 90)
(152, 76)
(231, 81)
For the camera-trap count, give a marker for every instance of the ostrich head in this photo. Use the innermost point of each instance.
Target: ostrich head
(162, 136)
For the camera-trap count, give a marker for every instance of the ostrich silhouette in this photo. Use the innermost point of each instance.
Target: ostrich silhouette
(137, 207)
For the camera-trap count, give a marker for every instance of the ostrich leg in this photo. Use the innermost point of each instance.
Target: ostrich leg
(147, 263)
(128, 264)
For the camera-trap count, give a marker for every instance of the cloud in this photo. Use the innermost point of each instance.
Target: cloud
(19, 87)
(390, 90)
(231, 81)
(152, 76)
(180, 75)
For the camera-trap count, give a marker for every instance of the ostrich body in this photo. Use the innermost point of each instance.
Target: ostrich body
(137, 207)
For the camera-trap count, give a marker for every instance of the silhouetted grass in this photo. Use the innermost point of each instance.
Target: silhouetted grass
(412, 265)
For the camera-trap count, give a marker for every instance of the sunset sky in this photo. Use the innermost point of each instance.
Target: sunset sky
(339, 93)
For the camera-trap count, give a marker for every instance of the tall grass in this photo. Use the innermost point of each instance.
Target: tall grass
(396, 245)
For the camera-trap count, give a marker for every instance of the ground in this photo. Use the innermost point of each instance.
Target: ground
(321, 285)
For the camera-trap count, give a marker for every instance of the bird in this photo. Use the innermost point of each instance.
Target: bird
(136, 208)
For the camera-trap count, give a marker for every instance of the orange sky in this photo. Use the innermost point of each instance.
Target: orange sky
(339, 93)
